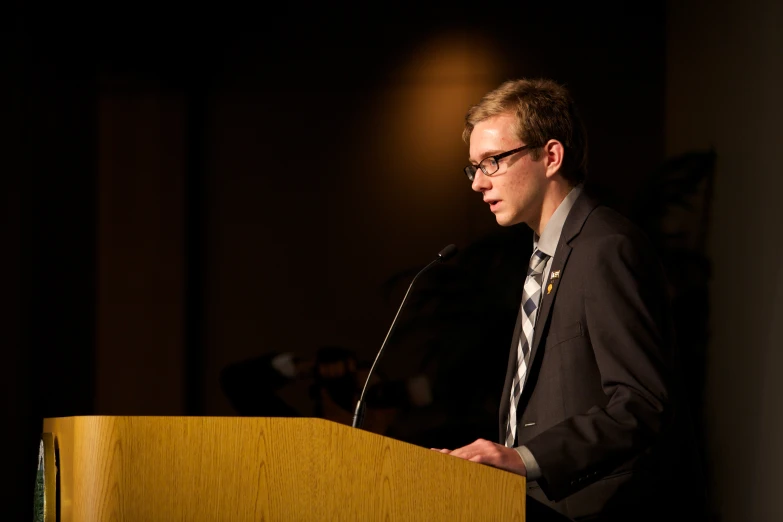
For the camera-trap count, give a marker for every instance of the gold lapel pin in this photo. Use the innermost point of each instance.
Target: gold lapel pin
(554, 275)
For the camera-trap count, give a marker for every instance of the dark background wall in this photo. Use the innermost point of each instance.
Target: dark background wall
(724, 80)
(189, 189)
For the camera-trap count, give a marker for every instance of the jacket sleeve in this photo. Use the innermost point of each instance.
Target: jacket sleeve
(627, 320)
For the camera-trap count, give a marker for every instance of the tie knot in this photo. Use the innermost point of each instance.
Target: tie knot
(537, 262)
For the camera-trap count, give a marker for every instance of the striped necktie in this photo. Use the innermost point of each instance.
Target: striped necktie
(531, 296)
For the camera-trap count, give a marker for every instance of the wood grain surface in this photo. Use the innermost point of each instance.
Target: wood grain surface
(130, 469)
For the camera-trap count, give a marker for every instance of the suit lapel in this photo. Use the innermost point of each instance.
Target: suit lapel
(582, 208)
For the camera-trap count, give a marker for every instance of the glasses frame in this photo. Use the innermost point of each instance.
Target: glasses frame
(470, 170)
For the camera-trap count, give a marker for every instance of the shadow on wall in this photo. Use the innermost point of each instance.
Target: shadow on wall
(673, 207)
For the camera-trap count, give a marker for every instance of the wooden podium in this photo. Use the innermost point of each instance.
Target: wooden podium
(193, 469)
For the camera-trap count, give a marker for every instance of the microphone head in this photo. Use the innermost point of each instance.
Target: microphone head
(447, 253)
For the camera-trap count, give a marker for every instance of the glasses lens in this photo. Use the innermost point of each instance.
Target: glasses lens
(470, 172)
(489, 166)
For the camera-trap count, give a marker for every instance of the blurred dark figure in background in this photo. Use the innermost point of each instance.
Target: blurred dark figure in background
(332, 380)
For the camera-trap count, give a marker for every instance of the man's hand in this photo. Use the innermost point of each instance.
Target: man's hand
(491, 454)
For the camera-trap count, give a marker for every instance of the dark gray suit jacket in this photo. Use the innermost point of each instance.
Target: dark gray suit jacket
(600, 407)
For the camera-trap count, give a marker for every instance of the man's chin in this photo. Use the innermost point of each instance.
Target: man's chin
(505, 220)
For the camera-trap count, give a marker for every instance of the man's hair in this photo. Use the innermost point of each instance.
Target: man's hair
(544, 111)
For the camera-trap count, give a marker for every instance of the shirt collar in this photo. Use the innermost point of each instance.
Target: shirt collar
(550, 237)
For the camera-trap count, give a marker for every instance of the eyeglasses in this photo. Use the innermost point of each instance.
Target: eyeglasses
(490, 165)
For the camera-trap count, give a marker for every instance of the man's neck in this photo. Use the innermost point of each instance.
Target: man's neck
(555, 194)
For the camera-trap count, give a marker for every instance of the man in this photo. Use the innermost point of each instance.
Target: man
(590, 411)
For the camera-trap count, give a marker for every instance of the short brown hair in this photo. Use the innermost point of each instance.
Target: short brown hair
(544, 111)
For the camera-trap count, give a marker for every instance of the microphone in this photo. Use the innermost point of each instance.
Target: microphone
(443, 256)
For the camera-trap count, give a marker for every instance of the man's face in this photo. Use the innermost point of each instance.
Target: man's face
(515, 192)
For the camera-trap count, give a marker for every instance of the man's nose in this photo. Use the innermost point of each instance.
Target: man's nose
(480, 182)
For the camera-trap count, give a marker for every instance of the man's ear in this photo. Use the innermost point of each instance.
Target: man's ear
(554, 153)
